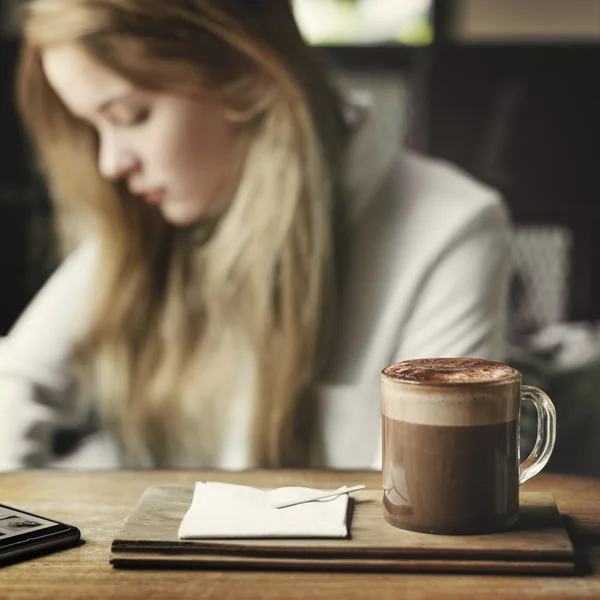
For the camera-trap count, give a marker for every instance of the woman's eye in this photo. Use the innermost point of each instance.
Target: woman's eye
(140, 117)
(133, 119)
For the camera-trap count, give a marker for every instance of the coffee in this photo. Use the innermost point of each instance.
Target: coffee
(450, 440)
(466, 476)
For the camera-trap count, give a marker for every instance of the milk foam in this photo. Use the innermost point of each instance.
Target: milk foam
(451, 406)
(451, 392)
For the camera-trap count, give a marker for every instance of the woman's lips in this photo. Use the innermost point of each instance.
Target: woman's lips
(154, 196)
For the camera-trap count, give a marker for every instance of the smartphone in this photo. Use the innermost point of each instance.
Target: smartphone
(24, 535)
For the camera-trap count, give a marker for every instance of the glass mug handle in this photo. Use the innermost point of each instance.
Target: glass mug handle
(546, 433)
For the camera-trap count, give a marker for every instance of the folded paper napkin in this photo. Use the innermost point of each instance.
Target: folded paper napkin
(224, 510)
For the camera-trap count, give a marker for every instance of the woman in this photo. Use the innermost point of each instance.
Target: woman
(247, 255)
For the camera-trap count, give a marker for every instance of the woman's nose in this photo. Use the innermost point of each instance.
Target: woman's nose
(115, 161)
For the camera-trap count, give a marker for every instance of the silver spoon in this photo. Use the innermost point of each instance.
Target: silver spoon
(321, 496)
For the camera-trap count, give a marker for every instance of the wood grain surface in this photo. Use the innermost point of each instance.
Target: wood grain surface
(538, 542)
(99, 503)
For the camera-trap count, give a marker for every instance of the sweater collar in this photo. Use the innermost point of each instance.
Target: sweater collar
(370, 154)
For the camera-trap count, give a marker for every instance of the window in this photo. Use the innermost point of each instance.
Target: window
(365, 22)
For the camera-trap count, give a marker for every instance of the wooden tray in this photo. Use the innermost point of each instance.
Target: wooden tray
(538, 543)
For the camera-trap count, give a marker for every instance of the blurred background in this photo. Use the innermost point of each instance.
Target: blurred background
(504, 89)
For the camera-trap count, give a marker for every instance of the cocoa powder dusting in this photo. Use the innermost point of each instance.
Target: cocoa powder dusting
(450, 370)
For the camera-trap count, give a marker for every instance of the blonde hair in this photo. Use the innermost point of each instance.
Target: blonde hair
(177, 312)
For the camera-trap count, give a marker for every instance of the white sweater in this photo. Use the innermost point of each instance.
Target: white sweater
(427, 276)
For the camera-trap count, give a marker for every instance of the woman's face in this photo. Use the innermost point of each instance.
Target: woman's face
(169, 150)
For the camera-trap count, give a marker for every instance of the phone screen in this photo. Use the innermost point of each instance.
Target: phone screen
(14, 522)
(23, 533)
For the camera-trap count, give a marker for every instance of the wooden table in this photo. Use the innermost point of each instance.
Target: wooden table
(98, 503)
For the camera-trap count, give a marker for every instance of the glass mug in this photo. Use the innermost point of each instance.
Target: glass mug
(451, 444)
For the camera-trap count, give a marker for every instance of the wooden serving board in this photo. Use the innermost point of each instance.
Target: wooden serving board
(538, 543)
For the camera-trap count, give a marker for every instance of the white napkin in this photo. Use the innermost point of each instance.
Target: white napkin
(224, 510)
